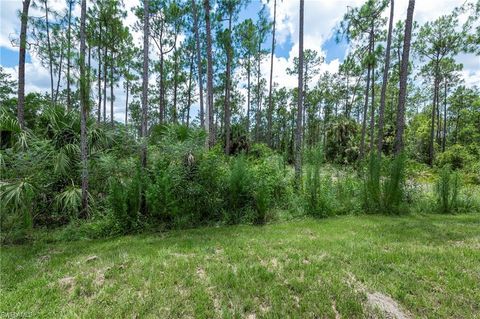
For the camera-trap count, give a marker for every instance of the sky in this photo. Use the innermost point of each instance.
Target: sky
(321, 18)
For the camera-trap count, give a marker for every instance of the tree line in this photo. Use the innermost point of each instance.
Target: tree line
(196, 54)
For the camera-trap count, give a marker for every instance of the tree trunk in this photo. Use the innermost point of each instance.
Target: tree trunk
(57, 89)
(444, 137)
(69, 44)
(199, 62)
(127, 89)
(298, 131)
(270, 102)
(209, 122)
(248, 95)
(402, 96)
(112, 97)
(84, 111)
(372, 108)
(189, 93)
(105, 85)
(99, 111)
(162, 92)
(259, 104)
(143, 154)
(175, 86)
(383, 93)
(431, 149)
(21, 65)
(365, 106)
(49, 48)
(227, 89)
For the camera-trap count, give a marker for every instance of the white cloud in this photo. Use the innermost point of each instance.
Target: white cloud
(321, 17)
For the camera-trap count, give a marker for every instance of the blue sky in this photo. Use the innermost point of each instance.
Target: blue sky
(321, 17)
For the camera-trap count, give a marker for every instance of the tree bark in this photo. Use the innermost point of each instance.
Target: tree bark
(372, 108)
(99, 111)
(112, 97)
(259, 104)
(383, 93)
(298, 131)
(270, 102)
(143, 154)
(227, 88)
(127, 90)
(431, 145)
(69, 43)
(49, 48)
(104, 84)
(84, 111)
(365, 106)
(209, 122)
(402, 95)
(444, 137)
(248, 95)
(199, 62)
(189, 93)
(21, 65)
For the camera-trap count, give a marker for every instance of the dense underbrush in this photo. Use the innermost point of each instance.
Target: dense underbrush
(185, 185)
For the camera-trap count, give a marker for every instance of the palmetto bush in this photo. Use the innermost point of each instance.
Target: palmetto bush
(40, 166)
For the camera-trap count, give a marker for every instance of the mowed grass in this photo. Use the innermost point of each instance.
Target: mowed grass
(430, 265)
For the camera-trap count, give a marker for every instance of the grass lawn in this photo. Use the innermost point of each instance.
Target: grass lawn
(426, 266)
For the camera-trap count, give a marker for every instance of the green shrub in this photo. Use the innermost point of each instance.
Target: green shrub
(238, 194)
(124, 201)
(456, 156)
(447, 191)
(383, 189)
(317, 189)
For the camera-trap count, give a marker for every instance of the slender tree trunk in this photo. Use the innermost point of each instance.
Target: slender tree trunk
(383, 93)
(162, 92)
(372, 108)
(298, 131)
(84, 111)
(227, 89)
(189, 97)
(402, 95)
(444, 137)
(175, 86)
(105, 84)
(270, 102)
(199, 62)
(57, 89)
(248, 95)
(365, 106)
(127, 91)
(69, 44)
(258, 113)
(21, 65)
(347, 107)
(143, 154)
(431, 149)
(99, 111)
(209, 122)
(49, 48)
(439, 124)
(112, 97)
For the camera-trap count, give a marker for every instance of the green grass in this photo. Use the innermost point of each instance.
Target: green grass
(430, 265)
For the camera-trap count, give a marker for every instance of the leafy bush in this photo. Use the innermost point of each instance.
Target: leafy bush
(383, 189)
(317, 190)
(124, 201)
(456, 156)
(447, 191)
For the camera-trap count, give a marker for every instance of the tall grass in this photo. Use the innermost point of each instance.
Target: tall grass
(383, 186)
(447, 190)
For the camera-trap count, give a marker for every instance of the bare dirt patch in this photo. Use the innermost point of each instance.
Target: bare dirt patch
(388, 307)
